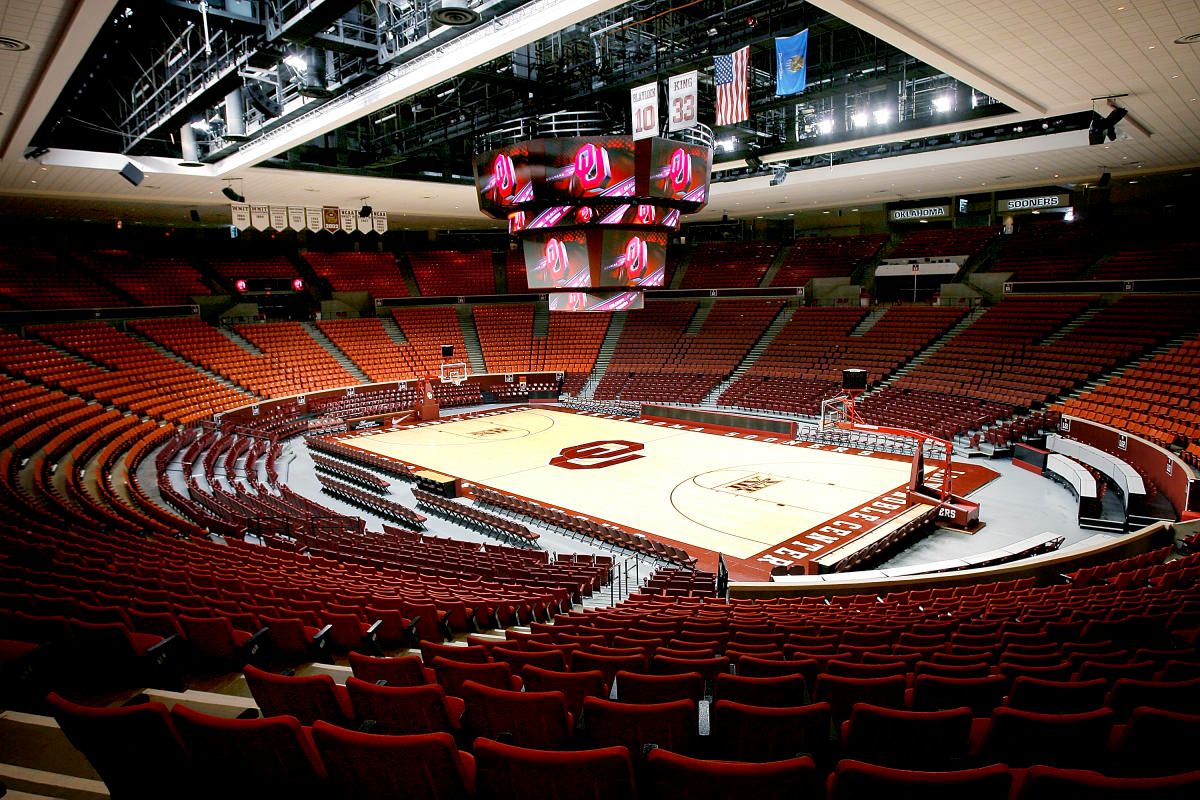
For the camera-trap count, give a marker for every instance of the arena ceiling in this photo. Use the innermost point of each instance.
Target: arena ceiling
(1034, 63)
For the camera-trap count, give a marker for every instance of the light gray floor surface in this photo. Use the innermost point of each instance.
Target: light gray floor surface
(1016, 505)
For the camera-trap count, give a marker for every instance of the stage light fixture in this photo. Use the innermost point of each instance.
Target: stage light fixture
(882, 115)
(942, 103)
(754, 162)
(233, 195)
(825, 126)
(859, 119)
(779, 177)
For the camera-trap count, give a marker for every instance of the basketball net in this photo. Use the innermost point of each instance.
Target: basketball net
(455, 372)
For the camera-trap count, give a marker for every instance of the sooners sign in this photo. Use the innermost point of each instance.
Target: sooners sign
(597, 455)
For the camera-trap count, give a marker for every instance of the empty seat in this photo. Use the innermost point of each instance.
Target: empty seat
(506, 772)
(215, 639)
(775, 692)
(371, 766)
(135, 749)
(403, 671)
(575, 686)
(671, 775)
(307, 698)
(673, 726)
(1129, 693)
(854, 780)
(608, 666)
(450, 652)
(452, 674)
(759, 733)
(527, 719)
(249, 759)
(981, 695)
(1050, 783)
(1155, 742)
(1024, 738)
(1056, 697)
(404, 710)
(918, 740)
(842, 692)
(643, 689)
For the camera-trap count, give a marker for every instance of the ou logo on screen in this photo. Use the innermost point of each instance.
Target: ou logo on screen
(597, 455)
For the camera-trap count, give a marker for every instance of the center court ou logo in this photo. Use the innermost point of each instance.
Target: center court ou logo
(597, 455)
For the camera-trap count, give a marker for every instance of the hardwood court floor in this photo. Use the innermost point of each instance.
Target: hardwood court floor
(725, 494)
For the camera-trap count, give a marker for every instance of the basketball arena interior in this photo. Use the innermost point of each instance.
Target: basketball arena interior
(596, 399)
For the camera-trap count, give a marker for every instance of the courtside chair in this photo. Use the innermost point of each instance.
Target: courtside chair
(135, 749)
(373, 766)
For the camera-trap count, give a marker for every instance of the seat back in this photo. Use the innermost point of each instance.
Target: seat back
(307, 698)
(210, 637)
(372, 766)
(249, 759)
(757, 733)
(506, 772)
(1024, 738)
(775, 692)
(575, 686)
(981, 695)
(673, 726)
(452, 674)
(469, 654)
(109, 737)
(519, 659)
(402, 671)
(526, 719)
(608, 666)
(842, 692)
(920, 740)
(855, 780)
(676, 776)
(642, 689)
(1052, 783)
(1056, 697)
(1130, 693)
(401, 710)
(1156, 742)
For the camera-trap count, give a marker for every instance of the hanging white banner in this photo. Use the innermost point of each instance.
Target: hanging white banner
(681, 101)
(312, 220)
(349, 217)
(239, 216)
(364, 224)
(379, 221)
(279, 217)
(643, 105)
(260, 217)
(295, 218)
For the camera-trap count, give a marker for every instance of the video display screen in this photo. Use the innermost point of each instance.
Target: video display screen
(587, 170)
(558, 260)
(504, 179)
(596, 301)
(602, 214)
(633, 257)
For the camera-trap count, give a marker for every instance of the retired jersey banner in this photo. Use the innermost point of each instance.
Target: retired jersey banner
(295, 218)
(312, 219)
(279, 217)
(379, 221)
(643, 103)
(239, 216)
(330, 215)
(681, 101)
(260, 217)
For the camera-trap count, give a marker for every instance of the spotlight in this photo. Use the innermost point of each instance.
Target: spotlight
(859, 119)
(825, 126)
(942, 103)
(240, 284)
(882, 115)
(232, 194)
(453, 13)
(296, 61)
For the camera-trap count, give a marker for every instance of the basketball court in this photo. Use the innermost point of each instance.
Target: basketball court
(727, 492)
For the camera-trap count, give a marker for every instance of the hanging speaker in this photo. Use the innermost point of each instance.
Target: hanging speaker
(447, 351)
(132, 174)
(1105, 180)
(194, 215)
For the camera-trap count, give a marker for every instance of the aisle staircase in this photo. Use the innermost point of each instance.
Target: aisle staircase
(338, 354)
(781, 320)
(466, 321)
(924, 355)
(615, 326)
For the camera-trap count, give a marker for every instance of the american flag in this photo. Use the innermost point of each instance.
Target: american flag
(733, 99)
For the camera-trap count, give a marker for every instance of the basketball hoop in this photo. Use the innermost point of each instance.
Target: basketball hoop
(455, 373)
(833, 411)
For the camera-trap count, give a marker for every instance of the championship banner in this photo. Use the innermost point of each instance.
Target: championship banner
(239, 216)
(364, 224)
(260, 217)
(330, 215)
(379, 221)
(643, 103)
(312, 220)
(349, 218)
(682, 101)
(279, 217)
(295, 218)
